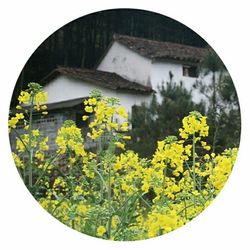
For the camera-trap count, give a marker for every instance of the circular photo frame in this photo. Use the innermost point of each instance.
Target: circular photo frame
(124, 124)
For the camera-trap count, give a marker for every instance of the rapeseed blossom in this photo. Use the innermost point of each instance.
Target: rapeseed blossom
(115, 194)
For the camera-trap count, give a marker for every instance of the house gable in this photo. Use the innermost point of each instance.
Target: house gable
(151, 62)
(126, 63)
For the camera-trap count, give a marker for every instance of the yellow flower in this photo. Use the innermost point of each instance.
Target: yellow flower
(84, 117)
(22, 142)
(12, 122)
(35, 132)
(101, 230)
(206, 157)
(79, 190)
(124, 126)
(40, 97)
(18, 161)
(19, 116)
(115, 222)
(120, 145)
(126, 137)
(194, 123)
(89, 109)
(112, 125)
(70, 136)
(24, 97)
(95, 134)
(110, 111)
(44, 112)
(26, 127)
(39, 156)
(121, 111)
(92, 101)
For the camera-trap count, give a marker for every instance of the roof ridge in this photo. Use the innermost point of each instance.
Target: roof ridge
(102, 78)
(117, 36)
(154, 49)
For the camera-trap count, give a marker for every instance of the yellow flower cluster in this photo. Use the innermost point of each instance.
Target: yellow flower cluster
(17, 160)
(101, 230)
(22, 143)
(35, 97)
(172, 155)
(105, 111)
(24, 97)
(132, 172)
(160, 222)
(222, 168)
(194, 123)
(115, 194)
(59, 186)
(40, 98)
(42, 147)
(70, 137)
(14, 120)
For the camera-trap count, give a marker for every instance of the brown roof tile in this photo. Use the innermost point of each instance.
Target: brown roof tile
(161, 50)
(97, 77)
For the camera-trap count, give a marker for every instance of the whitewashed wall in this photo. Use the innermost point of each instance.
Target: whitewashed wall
(63, 89)
(160, 74)
(132, 66)
(127, 64)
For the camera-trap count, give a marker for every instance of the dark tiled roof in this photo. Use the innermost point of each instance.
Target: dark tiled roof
(162, 50)
(97, 77)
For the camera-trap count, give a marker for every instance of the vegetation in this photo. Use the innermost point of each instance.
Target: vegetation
(111, 192)
(220, 105)
(165, 115)
(223, 110)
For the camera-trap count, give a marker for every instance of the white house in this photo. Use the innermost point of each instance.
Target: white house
(150, 62)
(68, 87)
(131, 69)
(65, 85)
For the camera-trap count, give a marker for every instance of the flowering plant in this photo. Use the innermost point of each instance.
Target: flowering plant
(110, 192)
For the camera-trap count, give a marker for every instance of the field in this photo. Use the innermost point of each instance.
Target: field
(110, 192)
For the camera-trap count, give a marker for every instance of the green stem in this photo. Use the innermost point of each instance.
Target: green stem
(163, 181)
(44, 171)
(145, 202)
(20, 138)
(30, 142)
(109, 202)
(101, 177)
(185, 204)
(27, 150)
(193, 166)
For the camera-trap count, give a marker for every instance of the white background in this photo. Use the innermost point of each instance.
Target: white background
(224, 224)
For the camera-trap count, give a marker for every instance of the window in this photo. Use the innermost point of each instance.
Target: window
(190, 71)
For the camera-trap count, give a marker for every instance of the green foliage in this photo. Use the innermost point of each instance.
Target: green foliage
(163, 116)
(223, 109)
(112, 194)
(153, 122)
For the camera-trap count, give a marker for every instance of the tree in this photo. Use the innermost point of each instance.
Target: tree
(222, 106)
(158, 119)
